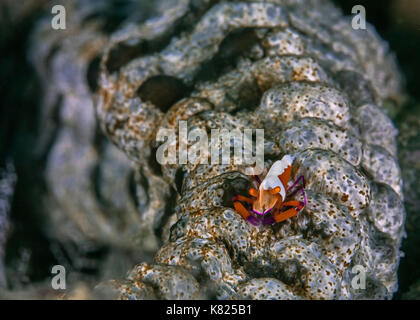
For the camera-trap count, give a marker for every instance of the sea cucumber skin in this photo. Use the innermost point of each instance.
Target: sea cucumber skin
(317, 88)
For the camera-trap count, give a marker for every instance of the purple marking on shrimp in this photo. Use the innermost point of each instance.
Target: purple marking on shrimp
(263, 213)
(268, 220)
(298, 188)
(257, 212)
(253, 220)
(296, 182)
(258, 179)
(268, 210)
(303, 193)
(304, 196)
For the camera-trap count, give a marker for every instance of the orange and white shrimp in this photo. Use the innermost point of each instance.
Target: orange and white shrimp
(269, 204)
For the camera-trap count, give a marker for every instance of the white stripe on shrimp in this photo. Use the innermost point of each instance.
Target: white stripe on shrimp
(272, 180)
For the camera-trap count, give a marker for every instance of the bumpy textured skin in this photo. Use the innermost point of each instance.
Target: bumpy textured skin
(294, 68)
(316, 86)
(95, 196)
